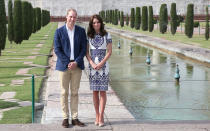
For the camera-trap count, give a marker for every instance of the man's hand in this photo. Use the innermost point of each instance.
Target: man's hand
(72, 65)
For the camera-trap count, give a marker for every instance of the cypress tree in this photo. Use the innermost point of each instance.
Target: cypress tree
(151, 19)
(108, 19)
(30, 17)
(121, 19)
(127, 20)
(34, 20)
(45, 17)
(104, 16)
(107, 16)
(48, 14)
(144, 18)
(132, 18)
(113, 17)
(3, 28)
(189, 22)
(18, 24)
(38, 18)
(173, 18)
(25, 20)
(163, 20)
(137, 18)
(10, 22)
(116, 17)
(207, 24)
(110, 16)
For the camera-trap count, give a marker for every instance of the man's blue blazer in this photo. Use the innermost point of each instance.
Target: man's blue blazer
(62, 47)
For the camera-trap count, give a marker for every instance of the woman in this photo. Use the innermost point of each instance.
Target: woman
(99, 42)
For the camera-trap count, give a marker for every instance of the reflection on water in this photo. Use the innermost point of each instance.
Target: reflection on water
(150, 91)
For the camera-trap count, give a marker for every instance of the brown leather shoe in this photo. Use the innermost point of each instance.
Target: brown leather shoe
(65, 123)
(77, 122)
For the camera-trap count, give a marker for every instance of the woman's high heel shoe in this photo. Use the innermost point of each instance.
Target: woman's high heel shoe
(96, 123)
(101, 124)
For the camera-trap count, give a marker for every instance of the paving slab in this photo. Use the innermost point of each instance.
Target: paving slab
(2, 84)
(31, 57)
(39, 45)
(7, 95)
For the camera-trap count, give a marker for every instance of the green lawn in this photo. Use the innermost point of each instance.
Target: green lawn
(10, 64)
(4, 104)
(197, 40)
(17, 116)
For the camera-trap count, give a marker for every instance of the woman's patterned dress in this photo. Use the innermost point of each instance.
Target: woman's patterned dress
(99, 79)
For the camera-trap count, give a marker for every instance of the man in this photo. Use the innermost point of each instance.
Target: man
(70, 45)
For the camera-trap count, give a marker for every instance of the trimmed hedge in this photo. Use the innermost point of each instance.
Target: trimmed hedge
(196, 24)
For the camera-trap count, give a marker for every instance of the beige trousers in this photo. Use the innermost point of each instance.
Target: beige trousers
(70, 78)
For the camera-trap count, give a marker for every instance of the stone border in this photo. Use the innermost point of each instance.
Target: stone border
(195, 53)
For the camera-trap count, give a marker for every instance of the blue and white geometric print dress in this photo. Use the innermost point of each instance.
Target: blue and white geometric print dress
(99, 79)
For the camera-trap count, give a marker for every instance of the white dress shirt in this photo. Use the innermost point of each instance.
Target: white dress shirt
(71, 40)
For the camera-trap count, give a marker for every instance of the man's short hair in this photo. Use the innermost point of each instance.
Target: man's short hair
(69, 10)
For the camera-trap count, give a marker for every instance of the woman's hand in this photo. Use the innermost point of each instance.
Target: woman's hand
(93, 65)
(99, 66)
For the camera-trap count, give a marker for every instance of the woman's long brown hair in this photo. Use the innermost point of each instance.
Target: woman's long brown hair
(91, 32)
